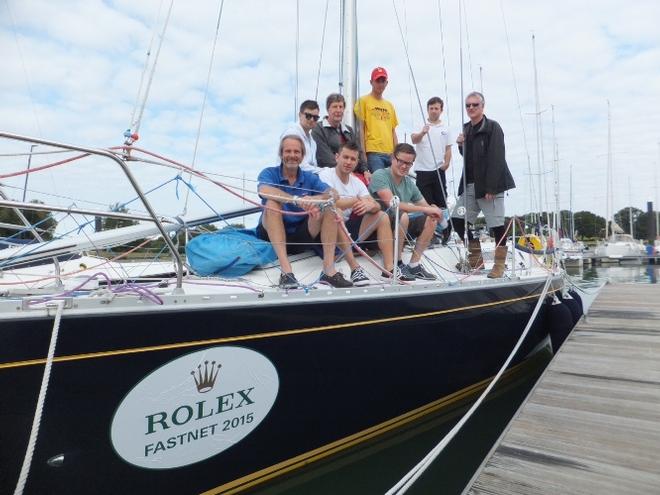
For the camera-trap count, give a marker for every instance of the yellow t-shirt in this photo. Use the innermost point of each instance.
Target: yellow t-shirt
(380, 120)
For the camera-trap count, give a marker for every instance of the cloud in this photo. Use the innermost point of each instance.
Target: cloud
(71, 72)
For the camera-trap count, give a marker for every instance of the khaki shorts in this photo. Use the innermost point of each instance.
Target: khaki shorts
(493, 209)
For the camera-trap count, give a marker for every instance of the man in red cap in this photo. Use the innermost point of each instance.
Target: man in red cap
(378, 121)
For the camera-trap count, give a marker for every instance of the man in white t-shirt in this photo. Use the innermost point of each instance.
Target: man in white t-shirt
(433, 146)
(362, 214)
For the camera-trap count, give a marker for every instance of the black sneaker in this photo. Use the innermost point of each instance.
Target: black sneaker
(359, 278)
(400, 274)
(337, 280)
(420, 273)
(288, 281)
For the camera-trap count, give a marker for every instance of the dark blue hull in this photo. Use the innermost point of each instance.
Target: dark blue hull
(345, 369)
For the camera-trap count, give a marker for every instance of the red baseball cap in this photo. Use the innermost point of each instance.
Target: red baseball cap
(378, 72)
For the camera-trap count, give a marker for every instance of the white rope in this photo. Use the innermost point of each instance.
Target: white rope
(36, 422)
(201, 113)
(407, 481)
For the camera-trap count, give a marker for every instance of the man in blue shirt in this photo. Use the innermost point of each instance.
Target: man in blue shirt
(292, 198)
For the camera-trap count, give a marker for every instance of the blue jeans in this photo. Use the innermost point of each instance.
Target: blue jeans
(376, 161)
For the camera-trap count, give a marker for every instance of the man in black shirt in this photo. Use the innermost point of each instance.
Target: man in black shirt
(487, 177)
(331, 133)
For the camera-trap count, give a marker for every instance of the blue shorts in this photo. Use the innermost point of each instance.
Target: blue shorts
(376, 161)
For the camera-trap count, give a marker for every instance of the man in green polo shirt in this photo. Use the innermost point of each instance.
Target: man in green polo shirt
(417, 217)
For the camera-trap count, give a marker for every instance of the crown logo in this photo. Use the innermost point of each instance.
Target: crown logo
(205, 379)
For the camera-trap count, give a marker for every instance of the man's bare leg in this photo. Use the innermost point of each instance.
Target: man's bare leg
(424, 239)
(381, 222)
(273, 222)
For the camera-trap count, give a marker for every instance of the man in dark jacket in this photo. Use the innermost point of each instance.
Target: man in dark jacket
(331, 133)
(486, 177)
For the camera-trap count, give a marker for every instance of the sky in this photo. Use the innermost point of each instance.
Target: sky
(71, 72)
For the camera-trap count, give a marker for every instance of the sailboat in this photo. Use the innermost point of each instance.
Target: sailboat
(190, 384)
(617, 246)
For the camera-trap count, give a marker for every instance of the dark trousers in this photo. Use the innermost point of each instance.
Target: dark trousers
(432, 187)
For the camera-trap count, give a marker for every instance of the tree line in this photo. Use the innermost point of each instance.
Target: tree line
(588, 225)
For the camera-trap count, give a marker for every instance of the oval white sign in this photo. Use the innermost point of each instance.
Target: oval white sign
(194, 407)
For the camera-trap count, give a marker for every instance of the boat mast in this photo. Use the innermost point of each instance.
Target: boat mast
(539, 151)
(630, 209)
(657, 219)
(557, 214)
(570, 201)
(348, 83)
(609, 171)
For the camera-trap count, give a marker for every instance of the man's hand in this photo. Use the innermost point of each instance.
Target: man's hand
(433, 212)
(490, 197)
(360, 207)
(310, 207)
(460, 138)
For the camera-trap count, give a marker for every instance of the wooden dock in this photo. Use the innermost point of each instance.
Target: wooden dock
(591, 425)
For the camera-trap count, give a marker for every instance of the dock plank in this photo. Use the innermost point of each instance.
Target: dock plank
(592, 422)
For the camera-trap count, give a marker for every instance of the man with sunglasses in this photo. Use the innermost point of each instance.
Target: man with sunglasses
(378, 121)
(487, 176)
(308, 116)
(417, 218)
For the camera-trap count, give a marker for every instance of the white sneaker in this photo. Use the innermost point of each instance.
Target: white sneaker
(359, 278)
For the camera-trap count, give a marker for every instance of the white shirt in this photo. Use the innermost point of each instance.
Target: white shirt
(309, 162)
(440, 138)
(354, 188)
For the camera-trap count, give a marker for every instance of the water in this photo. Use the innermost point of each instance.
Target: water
(621, 274)
(377, 466)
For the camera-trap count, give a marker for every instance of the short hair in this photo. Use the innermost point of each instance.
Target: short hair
(404, 148)
(349, 145)
(435, 101)
(309, 105)
(478, 95)
(334, 98)
(294, 137)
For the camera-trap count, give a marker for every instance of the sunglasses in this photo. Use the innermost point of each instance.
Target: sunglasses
(311, 116)
(472, 105)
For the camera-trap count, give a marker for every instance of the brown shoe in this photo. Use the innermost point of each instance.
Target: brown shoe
(500, 259)
(474, 259)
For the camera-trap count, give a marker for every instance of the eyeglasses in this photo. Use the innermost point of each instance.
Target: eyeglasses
(472, 105)
(311, 116)
(403, 163)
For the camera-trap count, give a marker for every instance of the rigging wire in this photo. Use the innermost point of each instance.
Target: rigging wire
(318, 73)
(460, 44)
(295, 97)
(153, 70)
(532, 194)
(444, 74)
(206, 92)
(467, 39)
(25, 71)
(145, 68)
(419, 99)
